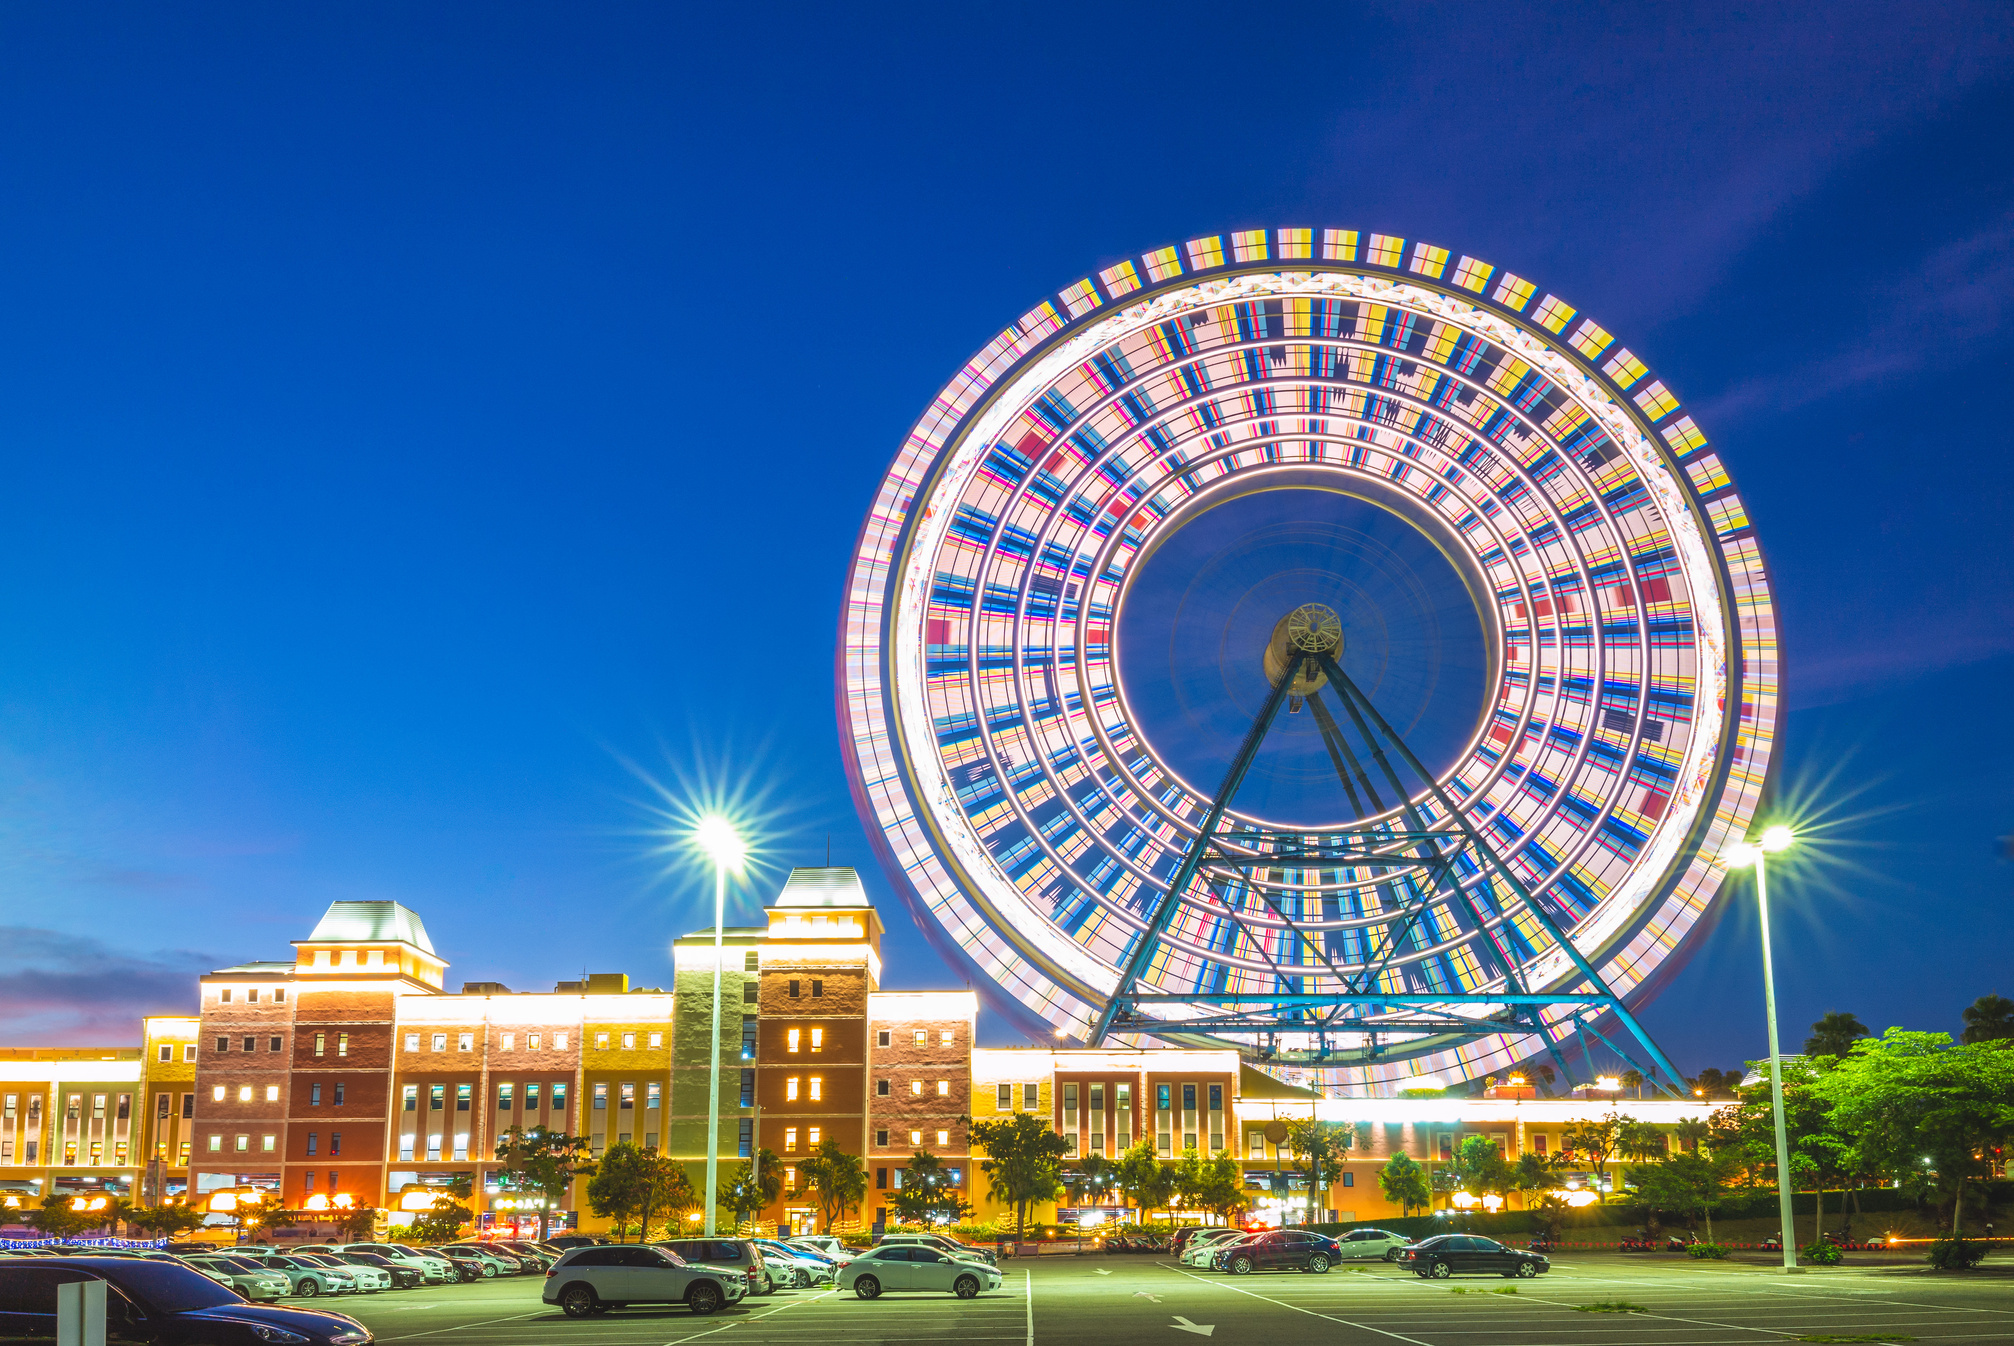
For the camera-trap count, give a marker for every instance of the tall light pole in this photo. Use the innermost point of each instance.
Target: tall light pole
(1756, 853)
(716, 836)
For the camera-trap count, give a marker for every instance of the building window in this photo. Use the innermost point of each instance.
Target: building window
(188, 1105)
(266, 1144)
(794, 1037)
(1350, 1179)
(440, 1043)
(167, 1055)
(1538, 1143)
(744, 1143)
(818, 1039)
(462, 1097)
(943, 1088)
(243, 1144)
(313, 1137)
(944, 1038)
(559, 1097)
(465, 1042)
(915, 1137)
(748, 1038)
(189, 1052)
(181, 1160)
(558, 1042)
(751, 961)
(406, 1147)
(272, 1093)
(881, 1174)
(817, 988)
(628, 1097)
(433, 1149)
(279, 997)
(922, 1037)
(216, 1144)
(790, 1177)
(160, 1106)
(1003, 1098)
(881, 1088)
(790, 1090)
(601, 1042)
(531, 1041)
(412, 1042)
(747, 1089)
(601, 1098)
(506, 1099)
(321, 1041)
(506, 1041)
(817, 1088)
(1031, 1097)
(881, 1140)
(314, 1095)
(629, 1042)
(307, 1182)
(790, 1140)
(656, 1041)
(793, 990)
(943, 1139)
(125, 1109)
(916, 1088)
(1163, 1097)
(275, 1043)
(336, 1144)
(811, 1137)
(531, 1098)
(244, 1093)
(437, 1097)
(412, 1096)
(224, 996)
(1188, 1098)
(216, 1093)
(339, 1095)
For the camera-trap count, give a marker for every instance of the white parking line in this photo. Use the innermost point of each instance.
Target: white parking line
(741, 1322)
(1346, 1322)
(463, 1327)
(1029, 1272)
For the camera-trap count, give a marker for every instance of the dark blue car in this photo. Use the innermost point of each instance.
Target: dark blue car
(161, 1304)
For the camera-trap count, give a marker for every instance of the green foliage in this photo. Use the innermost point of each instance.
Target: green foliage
(1147, 1183)
(1404, 1184)
(1023, 1163)
(1834, 1035)
(1610, 1306)
(166, 1221)
(839, 1178)
(1324, 1145)
(1216, 1184)
(1479, 1167)
(620, 1185)
(1990, 1018)
(753, 1186)
(1692, 1183)
(1713, 1083)
(1091, 1180)
(1595, 1140)
(1707, 1252)
(1819, 1253)
(443, 1224)
(1956, 1254)
(927, 1189)
(355, 1225)
(58, 1221)
(542, 1161)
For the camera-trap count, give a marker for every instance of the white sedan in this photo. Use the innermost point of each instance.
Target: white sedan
(1366, 1244)
(913, 1267)
(1200, 1249)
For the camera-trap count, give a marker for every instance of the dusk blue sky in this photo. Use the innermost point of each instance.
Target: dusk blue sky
(426, 426)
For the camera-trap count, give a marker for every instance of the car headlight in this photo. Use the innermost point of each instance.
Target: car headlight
(267, 1332)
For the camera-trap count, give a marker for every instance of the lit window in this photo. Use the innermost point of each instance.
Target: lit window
(813, 1135)
(531, 1040)
(651, 1095)
(790, 1090)
(656, 1040)
(790, 1140)
(790, 1178)
(916, 1087)
(943, 1139)
(266, 1144)
(465, 1042)
(794, 1036)
(217, 1093)
(601, 1098)
(817, 1088)
(412, 1042)
(216, 1144)
(272, 1093)
(922, 1037)
(628, 1097)
(406, 1147)
(244, 1093)
(943, 1088)
(462, 1092)
(915, 1137)
(440, 1042)
(243, 1144)
(629, 1042)
(508, 1041)
(558, 1042)
(944, 1038)
(279, 997)
(412, 1097)
(818, 1039)
(601, 1042)
(252, 996)
(320, 1040)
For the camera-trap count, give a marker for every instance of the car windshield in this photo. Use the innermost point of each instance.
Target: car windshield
(169, 1288)
(402, 1250)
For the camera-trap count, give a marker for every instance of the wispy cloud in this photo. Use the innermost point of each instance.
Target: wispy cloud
(69, 990)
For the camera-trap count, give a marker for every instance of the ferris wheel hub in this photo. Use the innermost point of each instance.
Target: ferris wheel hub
(1312, 628)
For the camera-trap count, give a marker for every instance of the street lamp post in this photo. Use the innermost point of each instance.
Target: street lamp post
(1773, 839)
(717, 837)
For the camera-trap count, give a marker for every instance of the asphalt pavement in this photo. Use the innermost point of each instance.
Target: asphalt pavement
(1121, 1300)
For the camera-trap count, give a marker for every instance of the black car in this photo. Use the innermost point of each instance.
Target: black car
(1470, 1254)
(1279, 1250)
(468, 1267)
(403, 1277)
(159, 1303)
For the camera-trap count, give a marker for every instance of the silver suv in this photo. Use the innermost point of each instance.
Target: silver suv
(594, 1280)
(939, 1242)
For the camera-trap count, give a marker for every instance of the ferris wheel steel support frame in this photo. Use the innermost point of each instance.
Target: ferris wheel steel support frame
(1289, 1011)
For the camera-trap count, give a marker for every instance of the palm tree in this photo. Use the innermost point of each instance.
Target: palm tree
(1633, 1079)
(1834, 1035)
(1990, 1018)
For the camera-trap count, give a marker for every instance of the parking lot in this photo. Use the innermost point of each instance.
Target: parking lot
(1117, 1300)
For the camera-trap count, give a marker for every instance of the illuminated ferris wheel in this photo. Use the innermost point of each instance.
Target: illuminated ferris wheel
(1315, 643)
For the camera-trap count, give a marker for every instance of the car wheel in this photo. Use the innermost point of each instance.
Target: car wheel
(1319, 1264)
(577, 1301)
(967, 1287)
(1241, 1266)
(489, 1270)
(703, 1298)
(1527, 1269)
(1391, 1254)
(1440, 1271)
(307, 1289)
(867, 1287)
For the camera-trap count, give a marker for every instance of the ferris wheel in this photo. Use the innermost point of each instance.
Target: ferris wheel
(1316, 643)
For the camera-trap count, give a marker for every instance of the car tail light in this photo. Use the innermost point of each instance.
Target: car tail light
(551, 1272)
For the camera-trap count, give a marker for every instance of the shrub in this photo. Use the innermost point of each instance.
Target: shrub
(1707, 1251)
(1956, 1254)
(1821, 1254)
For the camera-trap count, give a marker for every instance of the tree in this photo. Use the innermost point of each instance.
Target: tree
(1219, 1185)
(926, 1189)
(1990, 1018)
(58, 1220)
(1091, 1180)
(838, 1177)
(443, 1224)
(1323, 1145)
(753, 1187)
(1913, 1101)
(620, 1187)
(356, 1224)
(1479, 1167)
(1834, 1035)
(1694, 1183)
(1633, 1079)
(166, 1221)
(1640, 1141)
(667, 1188)
(542, 1161)
(1404, 1184)
(1146, 1182)
(1595, 1140)
(1024, 1161)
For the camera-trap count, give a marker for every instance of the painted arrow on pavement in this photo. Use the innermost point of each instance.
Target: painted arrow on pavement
(1182, 1324)
(1102, 1272)
(1142, 1294)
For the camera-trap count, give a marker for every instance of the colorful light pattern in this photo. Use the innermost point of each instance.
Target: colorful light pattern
(988, 736)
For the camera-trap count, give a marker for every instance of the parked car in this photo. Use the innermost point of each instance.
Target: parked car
(244, 1275)
(825, 1245)
(494, 1261)
(1189, 1233)
(468, 1267)
(403, 1277)
(1465, 1254)
(732, 1254)
(308, 1278)
(433, 1266)
(369, 1278)
(539, 1258)
(917, 1266)
(1201, 1250)
(807, 1268)
(1360, 1245)
(1278, 1250)
(148, 1300)
(949, 1246)
(563, 1242)
(596, 1279)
